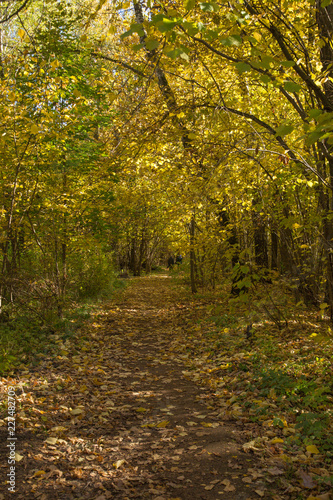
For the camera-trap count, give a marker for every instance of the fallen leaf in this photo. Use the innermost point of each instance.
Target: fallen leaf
(251, 445)
(307, 481)
(247, 479)
(51, 440)
(324, 496)
(119, 463)
(39, 473)
(277, 440)
(312, 448)
(210, 487)
(230, 488)
(76, 411)
(58, 428)
(226, 482)
(162, 424)
(275, 471)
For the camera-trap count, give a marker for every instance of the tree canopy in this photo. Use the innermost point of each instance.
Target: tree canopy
(194, 140)
(132, 130)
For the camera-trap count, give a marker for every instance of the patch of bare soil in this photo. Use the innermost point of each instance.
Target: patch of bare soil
(116, 415)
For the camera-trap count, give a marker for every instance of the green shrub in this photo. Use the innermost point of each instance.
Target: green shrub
(91, 273)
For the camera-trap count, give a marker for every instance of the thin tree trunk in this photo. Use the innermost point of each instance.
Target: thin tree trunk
(192, 256)
(274, 249)
(324, 17)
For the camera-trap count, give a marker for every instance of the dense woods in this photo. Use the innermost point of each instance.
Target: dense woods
(129, 130)
(133, 132)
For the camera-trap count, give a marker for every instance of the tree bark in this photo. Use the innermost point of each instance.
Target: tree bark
(324, 17)
(192, 256)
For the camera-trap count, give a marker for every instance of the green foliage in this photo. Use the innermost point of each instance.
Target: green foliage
(313, 427)
(26, 338)
(282, 382)
(21, 339)
(91, 273)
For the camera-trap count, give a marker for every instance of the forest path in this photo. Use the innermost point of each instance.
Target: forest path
(117, 417)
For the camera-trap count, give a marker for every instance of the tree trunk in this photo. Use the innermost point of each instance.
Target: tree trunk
(192, 256)
(324, 17)
(260, 239)
(274, 249)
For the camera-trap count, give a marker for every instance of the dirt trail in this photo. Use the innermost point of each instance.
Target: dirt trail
(115, 416)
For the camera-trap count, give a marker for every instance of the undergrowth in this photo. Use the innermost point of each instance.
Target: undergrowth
(25, 337)
(279, 379)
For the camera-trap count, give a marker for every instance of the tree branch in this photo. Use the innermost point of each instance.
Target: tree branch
(286, 94)
(279, 139)
(120, 63)
(25, 3)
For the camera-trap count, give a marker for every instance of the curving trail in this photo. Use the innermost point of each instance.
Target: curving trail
(116, 415)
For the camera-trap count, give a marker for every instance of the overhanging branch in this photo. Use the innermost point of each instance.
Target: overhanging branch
(13, 14)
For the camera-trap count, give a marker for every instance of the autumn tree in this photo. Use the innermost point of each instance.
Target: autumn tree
(265, 79)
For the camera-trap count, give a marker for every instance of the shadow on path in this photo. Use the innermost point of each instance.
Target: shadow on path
(116, 417)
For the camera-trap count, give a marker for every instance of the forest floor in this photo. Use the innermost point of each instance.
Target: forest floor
(133, 407)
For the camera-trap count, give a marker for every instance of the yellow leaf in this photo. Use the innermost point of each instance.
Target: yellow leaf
(141, 410)
(51, 440)
(18, 457)
(118, 464)
(21, 33)
(76, 411)
(312, 448)
(59, 428)
(277, 440)
(39, 473)
(251, 445)
(164, 423)
(272, 393)
(97, 382)
(112, 96)
(257, 36)
(288, 430)
(54, 64)
(34, 129)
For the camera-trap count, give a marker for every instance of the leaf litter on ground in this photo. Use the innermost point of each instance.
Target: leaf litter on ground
(93, 421)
